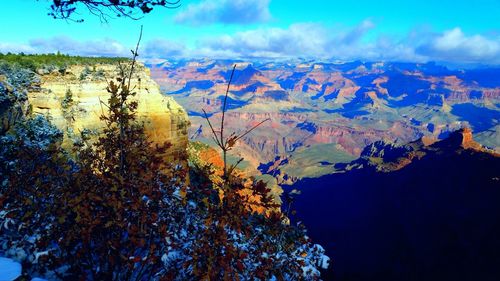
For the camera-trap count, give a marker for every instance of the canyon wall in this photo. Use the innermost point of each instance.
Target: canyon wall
(75, 99)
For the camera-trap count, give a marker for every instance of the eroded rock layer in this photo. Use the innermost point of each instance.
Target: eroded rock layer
(76, 99)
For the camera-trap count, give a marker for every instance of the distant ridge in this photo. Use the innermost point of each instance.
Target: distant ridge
(388, 157)
(349, 105)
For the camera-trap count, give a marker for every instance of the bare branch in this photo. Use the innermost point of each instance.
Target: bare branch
(251, 129)
(224, 107)
(106, 9)
(231, 169)
(134, 57)
(212, 128)
(226, 143)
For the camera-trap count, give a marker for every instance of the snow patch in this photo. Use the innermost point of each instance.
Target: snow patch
(9, 269)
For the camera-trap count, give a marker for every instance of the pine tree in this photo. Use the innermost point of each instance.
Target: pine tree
(111, 224)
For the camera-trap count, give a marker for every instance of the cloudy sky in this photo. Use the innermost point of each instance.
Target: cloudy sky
(455, 31)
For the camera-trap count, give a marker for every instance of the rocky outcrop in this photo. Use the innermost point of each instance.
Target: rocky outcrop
(76, 99)
(462, 138)
(388, 157)
(410, 222)
(10, 105)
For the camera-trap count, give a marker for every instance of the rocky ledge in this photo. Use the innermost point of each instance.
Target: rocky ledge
(75, 100)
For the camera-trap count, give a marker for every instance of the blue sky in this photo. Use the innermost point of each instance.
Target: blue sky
(449, 31)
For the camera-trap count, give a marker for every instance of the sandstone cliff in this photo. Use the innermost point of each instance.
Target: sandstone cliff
(74, 100)
(389, 157)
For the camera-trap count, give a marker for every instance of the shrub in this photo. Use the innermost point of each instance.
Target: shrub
(119, 211)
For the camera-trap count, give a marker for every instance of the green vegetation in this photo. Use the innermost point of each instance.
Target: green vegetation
(67, 102)
(59, 61)
(13, 82)
(67, 105)
(117, 210)
(304, 162)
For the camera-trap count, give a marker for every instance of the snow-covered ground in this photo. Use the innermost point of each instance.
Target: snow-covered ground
(9, 269)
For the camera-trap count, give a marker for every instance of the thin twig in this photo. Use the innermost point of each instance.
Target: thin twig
(224, 106)
(222, 141)
(67, 8)
(123, 102)
(212, 128)
(231, 169)
(225, 144)
(134, 58)
(251, 129)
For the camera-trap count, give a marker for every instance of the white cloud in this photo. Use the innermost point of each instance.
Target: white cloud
(453, 45)
(310, 40)
(6, 47)
(305, 40)
(357, 32)
(161, 48)
(225, 11)
(156, 48)
(67, 45)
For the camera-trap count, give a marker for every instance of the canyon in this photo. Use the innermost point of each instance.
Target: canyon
(324, 113)
(425, 210)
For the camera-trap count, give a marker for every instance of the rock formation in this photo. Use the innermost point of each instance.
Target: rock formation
(345, 105)
(434, 218)
(75, 100)
(388, 157)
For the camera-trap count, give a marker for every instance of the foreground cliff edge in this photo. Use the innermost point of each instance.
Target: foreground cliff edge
(75, 99)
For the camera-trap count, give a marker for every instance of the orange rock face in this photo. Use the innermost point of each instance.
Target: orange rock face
(164, 119)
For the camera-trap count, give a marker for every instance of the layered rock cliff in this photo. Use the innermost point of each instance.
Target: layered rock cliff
(75, 100)
(389, 157)
(343, 106)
